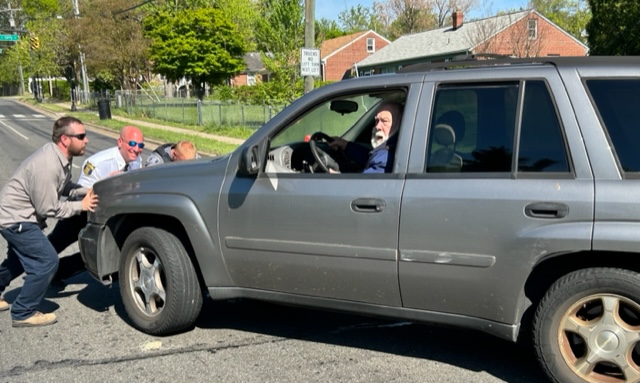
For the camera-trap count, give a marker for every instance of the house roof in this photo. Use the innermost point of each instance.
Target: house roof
(444, 40)
(253, 62)
(333, 46)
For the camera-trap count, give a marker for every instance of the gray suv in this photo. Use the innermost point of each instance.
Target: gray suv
(512, 206)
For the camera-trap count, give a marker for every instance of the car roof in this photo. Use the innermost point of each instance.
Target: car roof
(492, 61)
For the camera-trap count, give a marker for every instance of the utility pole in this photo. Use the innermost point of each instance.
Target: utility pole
(83, 69)
(309, 36)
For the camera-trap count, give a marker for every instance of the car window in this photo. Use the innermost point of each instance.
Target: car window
(474, 127)
(617, 102)
(542, 145)
(334, 117)
(350, 117)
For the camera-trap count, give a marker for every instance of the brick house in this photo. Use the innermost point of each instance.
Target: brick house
(254, 72)
(521, 34)
(339, 55)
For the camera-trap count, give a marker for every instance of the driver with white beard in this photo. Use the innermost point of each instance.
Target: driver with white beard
(383, 141)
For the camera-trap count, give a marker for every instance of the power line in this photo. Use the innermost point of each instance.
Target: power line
(131, 8)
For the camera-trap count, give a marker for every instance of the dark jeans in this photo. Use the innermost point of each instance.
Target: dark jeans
(28, 251)
(64, 234)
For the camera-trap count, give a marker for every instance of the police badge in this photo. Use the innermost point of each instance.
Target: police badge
(88, 168)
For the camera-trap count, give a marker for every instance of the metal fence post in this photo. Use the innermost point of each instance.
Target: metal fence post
(220, 114)
(199, 110)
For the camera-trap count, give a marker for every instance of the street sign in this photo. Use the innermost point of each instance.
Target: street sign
(4, 37)
(310, 62)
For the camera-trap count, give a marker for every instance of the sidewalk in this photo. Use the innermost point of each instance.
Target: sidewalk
(129, 121)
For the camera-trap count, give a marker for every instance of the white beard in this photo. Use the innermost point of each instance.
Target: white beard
(377, 138)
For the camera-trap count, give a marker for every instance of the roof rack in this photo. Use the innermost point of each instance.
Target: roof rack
(472, 61)
(492, 60)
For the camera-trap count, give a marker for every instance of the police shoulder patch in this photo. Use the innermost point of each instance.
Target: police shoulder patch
(88, 168)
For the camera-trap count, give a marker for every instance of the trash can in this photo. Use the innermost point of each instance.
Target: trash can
(104, 109)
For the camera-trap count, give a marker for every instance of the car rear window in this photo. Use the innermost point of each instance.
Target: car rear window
(618, 104)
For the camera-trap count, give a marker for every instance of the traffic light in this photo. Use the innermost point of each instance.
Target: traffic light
(35, 42)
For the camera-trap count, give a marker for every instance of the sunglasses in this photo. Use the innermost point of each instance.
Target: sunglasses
(80, 136)
(132, 143)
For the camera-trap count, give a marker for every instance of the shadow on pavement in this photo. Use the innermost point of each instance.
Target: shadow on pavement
(466, 349)
(470, 350)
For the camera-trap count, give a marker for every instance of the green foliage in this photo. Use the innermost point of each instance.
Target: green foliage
(200, 44)
(359, 18)
(327, 30)
(280, 31)
(614, 27)
(570, 15)
(41, 8)
(244, 15)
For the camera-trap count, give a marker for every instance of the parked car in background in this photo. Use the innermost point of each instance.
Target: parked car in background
(513, 208)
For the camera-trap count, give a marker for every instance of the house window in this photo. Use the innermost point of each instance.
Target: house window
(371, 45)
(532, 28)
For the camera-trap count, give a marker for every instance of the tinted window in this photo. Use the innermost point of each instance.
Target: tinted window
(473, 129)
(618, 103)
(542, 147)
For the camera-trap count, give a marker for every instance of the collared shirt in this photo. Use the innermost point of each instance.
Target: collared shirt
(33, 192)
(102, 164)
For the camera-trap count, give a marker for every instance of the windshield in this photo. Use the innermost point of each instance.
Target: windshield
(335, 118)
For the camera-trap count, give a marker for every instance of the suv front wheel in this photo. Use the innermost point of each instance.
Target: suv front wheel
(587, 327)
(158, 283)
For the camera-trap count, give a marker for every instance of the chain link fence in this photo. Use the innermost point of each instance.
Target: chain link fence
(187, 110)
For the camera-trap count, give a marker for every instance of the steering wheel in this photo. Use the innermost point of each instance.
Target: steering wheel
(323, 159)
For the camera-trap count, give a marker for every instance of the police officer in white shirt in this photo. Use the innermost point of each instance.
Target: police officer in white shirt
(124, 157)
(121, 158)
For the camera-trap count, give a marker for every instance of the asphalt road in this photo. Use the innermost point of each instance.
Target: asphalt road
(233, 341)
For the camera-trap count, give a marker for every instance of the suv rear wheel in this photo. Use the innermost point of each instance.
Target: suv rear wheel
(158, 282)
(587, 327)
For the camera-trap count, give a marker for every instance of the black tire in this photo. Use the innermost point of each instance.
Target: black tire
(587, 327)
(158, 283)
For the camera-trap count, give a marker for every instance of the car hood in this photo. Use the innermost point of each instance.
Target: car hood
(186, 178)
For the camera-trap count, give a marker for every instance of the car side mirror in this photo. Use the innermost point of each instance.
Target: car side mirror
(250, 161)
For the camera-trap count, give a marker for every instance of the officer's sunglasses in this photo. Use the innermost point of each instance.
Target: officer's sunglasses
(80, 136)
(132, 143)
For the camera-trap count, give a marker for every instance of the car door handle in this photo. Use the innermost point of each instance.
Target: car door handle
(367, 205)
(546, 210)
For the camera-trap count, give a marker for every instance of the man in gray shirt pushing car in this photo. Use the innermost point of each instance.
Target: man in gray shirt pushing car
(29, 197)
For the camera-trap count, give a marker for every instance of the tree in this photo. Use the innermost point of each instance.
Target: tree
(109, 33)
(201, 45)
(444, 8)
(407, 16)
(244, 14)
(327, 30)
(614, 28)
(570, 15)
(280, 33)
(359, 18)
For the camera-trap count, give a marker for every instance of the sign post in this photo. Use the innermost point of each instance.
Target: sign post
(310, 62)
(5, 37)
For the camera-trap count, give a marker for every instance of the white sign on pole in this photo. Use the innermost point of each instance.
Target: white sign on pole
(310, 62)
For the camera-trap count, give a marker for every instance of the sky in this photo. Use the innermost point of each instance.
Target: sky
(329, 9)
